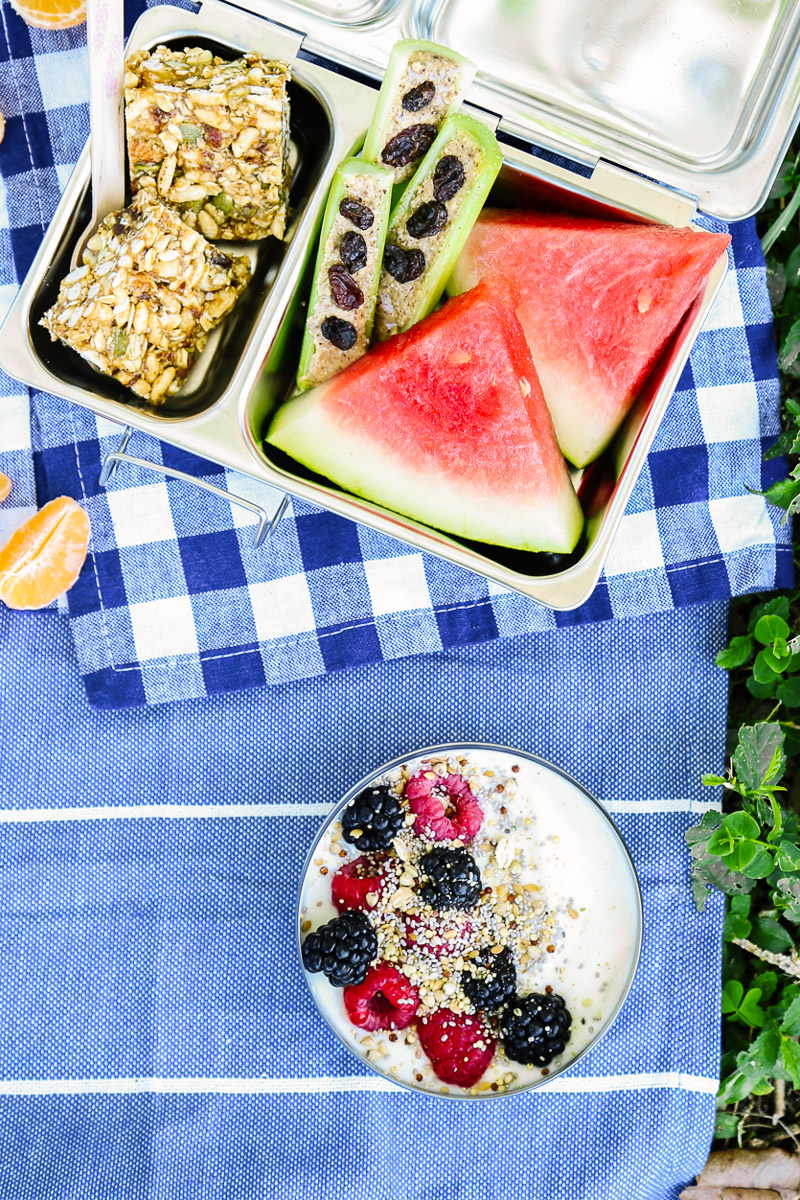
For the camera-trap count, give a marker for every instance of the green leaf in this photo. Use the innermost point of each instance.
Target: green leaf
(779, 605)
(787, 897)
(770, 627)
(762, 690)
(770, 935)
(736, 926)
(714, 781)
(750, 1011)
(759, 867)
(793, 267)
(763, 670)
(790, 1024)
(732, 993)
(789, 690)
(726, 1126)
(782, 493)
(790, 1053)
(736, 654)
(774, 658)
(742, 854)
(759, 757)
(740, 904)
(754, 1067)
(740, 825)
(788, 857)
(767, 981)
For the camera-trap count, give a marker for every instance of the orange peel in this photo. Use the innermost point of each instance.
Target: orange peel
(51, 14)
(44, 557)
(5, 486)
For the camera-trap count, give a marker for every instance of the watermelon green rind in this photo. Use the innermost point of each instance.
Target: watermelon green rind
(347, 169)
(388, 96)
(446, 425)
(431, 285)
(598, 301)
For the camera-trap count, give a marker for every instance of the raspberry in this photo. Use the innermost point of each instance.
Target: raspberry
(445, 807)
(438, 936)
(354, 882)
(385, 1000)
(460, 1047)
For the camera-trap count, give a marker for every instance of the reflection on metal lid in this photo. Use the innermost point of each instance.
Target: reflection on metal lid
(697, 86)
(699, 94)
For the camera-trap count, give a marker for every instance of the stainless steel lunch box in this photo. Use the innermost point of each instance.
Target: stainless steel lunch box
(628, 110)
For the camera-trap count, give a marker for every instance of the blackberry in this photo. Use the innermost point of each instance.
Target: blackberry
(498, 983)
(342, 949)
(450, 879)
(373, 819)
(535, 1028)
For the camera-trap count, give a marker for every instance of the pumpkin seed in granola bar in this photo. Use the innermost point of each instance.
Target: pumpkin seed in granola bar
(149, 291)
(211, 138)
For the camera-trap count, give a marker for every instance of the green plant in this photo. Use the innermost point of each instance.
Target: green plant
(751, 849)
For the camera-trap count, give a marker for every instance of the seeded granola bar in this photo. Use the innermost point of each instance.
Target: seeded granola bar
(141, 306)
(211, 137)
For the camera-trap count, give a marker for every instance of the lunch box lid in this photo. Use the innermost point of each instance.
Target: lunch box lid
(700, 95)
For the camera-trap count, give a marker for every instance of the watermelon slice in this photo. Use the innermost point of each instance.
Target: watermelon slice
(445, 423)
(597, 300)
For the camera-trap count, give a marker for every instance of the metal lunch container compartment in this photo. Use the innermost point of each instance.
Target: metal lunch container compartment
(699, 97)
(576, 837)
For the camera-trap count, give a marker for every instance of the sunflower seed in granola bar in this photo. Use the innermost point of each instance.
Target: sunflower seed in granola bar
(211, 137)
(143, 302)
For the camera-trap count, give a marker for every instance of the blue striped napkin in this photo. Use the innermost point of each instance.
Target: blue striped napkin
(157, 1038)
(174, 601)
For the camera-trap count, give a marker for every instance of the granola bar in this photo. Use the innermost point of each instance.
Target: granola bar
(141, 306)
(211, 137)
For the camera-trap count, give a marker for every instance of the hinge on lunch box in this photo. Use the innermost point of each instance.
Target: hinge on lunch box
(266, 525)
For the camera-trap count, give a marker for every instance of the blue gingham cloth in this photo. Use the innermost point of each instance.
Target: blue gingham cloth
(174, 602)
(157, 1039)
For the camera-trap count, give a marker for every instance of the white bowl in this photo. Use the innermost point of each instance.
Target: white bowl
(574, 853)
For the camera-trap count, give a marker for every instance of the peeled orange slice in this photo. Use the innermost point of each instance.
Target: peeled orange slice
(51, 14)
(45, 555)
(5, 486)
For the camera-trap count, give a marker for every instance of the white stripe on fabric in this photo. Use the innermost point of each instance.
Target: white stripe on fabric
(647, 1081)
(111, 812)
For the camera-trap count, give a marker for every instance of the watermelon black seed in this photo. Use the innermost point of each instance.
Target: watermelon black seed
(340, 333)
(427, 220)
(408, 145)
(403, 265)
(358, 214)
(353, 251)
(419, 97)
(448, 177)
(346, 292)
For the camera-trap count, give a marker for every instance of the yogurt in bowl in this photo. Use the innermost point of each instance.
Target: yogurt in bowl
(479, 916)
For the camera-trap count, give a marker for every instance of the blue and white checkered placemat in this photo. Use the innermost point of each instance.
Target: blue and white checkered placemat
(175, 603)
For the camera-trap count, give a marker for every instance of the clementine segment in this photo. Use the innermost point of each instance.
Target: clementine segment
(5, 486)
(45, 555)
(51, 14)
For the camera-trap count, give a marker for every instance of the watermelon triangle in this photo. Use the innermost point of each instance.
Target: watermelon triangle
(447, 424)
(598, 300)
